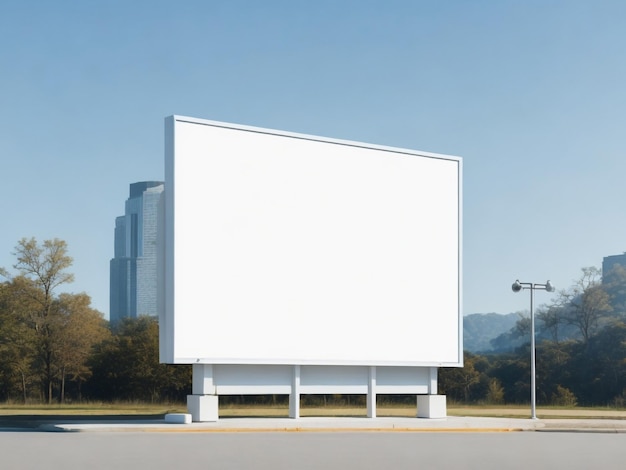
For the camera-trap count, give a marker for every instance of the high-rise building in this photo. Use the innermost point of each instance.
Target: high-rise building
(610, 262)
(133, 278)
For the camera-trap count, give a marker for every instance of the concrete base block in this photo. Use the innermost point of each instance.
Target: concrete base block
(431, 406)
(203, 408)
(178, 418)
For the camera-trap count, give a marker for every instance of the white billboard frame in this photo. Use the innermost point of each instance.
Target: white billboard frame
(190, 143)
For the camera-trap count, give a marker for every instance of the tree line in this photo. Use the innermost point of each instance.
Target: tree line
(580, 352)
(55, 348)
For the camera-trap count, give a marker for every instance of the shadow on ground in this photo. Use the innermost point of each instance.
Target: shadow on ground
(33, 422)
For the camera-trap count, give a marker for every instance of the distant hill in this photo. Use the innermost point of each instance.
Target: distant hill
(480, 328)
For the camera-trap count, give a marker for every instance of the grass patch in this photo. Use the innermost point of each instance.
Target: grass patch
(281, 410)
(91, 409)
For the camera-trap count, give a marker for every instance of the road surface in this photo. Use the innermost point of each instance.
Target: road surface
(311, 450)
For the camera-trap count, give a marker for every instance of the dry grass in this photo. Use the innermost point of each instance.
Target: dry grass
(93, 409)
(130, 409)
(512, 411)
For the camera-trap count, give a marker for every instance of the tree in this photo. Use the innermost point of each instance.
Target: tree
(512, 373)
(495, 392)
(127, 366)
(59, 330)
(586, 303)
(552, 367)
(44, 266)
(458, 383)
(563, 397)
(78, 328)
(551, 319)
(17, 341)
(602, 365)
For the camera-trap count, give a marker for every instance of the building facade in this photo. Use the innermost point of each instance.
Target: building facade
(133, 269)
(610, 262)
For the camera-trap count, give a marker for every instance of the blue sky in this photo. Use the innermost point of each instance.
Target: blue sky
(530, 93)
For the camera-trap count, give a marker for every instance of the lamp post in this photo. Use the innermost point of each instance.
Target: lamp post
(531, 286)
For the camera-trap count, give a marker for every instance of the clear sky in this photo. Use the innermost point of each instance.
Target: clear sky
(531, 94)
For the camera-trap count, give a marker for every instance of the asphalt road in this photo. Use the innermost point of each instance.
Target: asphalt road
(311, 450)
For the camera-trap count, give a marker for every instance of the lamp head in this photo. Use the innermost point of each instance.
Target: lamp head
(517, 286)
(550, 287)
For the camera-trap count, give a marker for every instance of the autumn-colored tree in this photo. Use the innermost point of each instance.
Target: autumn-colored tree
(48, 336)
(17, 340)
(44, 268)
(459, 382)
(78, 328)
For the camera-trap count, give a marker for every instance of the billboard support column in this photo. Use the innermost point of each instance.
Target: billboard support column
(202, 380)
(432, 383)
(203, 404)
(371, 393)
(294, 396)
(431, 405)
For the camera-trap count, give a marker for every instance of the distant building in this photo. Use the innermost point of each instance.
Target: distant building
(133, 270)
(609, 263)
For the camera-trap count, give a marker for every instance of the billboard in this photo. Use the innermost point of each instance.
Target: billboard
(284, 248)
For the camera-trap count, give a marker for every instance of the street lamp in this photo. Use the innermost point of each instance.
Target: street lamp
(531, 286)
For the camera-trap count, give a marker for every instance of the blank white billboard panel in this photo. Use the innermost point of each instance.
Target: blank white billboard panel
(291, 249)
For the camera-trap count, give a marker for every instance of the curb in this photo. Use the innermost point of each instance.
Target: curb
(62, 428)
(345, 426)
(160, 427)
(584, 430)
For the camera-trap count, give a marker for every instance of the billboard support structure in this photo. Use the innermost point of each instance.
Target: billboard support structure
(293, 264)
(245, 380)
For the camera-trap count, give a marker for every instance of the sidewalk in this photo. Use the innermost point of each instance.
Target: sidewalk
(450, 424)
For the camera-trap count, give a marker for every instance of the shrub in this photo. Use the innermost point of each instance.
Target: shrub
(495, 392)
(563, 397)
